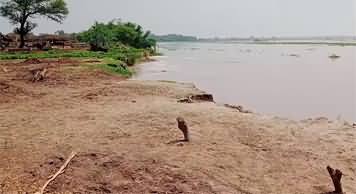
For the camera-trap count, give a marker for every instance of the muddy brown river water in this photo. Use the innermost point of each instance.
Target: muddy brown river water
(293, 81)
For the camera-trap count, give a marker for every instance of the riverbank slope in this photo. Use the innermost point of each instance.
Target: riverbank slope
(124, 133)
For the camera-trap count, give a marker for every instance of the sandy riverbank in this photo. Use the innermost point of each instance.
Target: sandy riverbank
(121, 130)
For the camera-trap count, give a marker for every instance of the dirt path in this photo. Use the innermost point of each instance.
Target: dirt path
(122, 131)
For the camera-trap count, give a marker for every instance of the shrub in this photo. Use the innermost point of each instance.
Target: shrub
(104, 36)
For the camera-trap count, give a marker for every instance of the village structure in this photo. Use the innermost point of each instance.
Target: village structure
(10, 42)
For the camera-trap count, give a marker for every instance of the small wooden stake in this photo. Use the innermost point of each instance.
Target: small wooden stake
(336, 176)
(182, 125)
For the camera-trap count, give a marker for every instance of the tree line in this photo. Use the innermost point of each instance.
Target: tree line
(101, 36)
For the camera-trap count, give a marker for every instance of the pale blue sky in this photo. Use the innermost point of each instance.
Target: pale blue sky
(209, 18)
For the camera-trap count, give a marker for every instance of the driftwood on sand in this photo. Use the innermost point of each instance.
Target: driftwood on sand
(59, 172)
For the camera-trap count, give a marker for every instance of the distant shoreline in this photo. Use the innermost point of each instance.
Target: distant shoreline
(287, 42)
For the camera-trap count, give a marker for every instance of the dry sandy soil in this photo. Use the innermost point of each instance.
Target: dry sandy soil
(124, 133)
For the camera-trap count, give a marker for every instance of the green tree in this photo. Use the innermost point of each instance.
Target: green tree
(99, 36)
(102, 35)
(19, 12)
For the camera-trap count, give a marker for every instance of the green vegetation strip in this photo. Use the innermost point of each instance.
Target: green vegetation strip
(115, 69)
(112, 66)
(114, 61)
(122, 54)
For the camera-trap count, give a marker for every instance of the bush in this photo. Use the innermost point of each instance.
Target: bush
(117, 69)
(104, 36)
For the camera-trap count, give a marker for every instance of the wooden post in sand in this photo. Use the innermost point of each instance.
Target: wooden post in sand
(182, 125)
(336, 176)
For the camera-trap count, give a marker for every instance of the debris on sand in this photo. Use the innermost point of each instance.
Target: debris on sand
(38, 74)
(334, 56)
(186, 100)
(197, 98)
(239, 108)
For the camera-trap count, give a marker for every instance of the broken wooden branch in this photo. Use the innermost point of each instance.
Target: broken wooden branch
(336, 176)
(59, 172)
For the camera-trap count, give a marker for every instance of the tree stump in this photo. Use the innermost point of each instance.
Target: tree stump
(336, 176)
(182, 125)
(38, 74)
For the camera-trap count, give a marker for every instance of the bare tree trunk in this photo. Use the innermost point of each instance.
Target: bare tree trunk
(22, 34)
(22, 39)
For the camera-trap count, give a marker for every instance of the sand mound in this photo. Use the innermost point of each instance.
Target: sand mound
(102, 173)
(9, 92)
